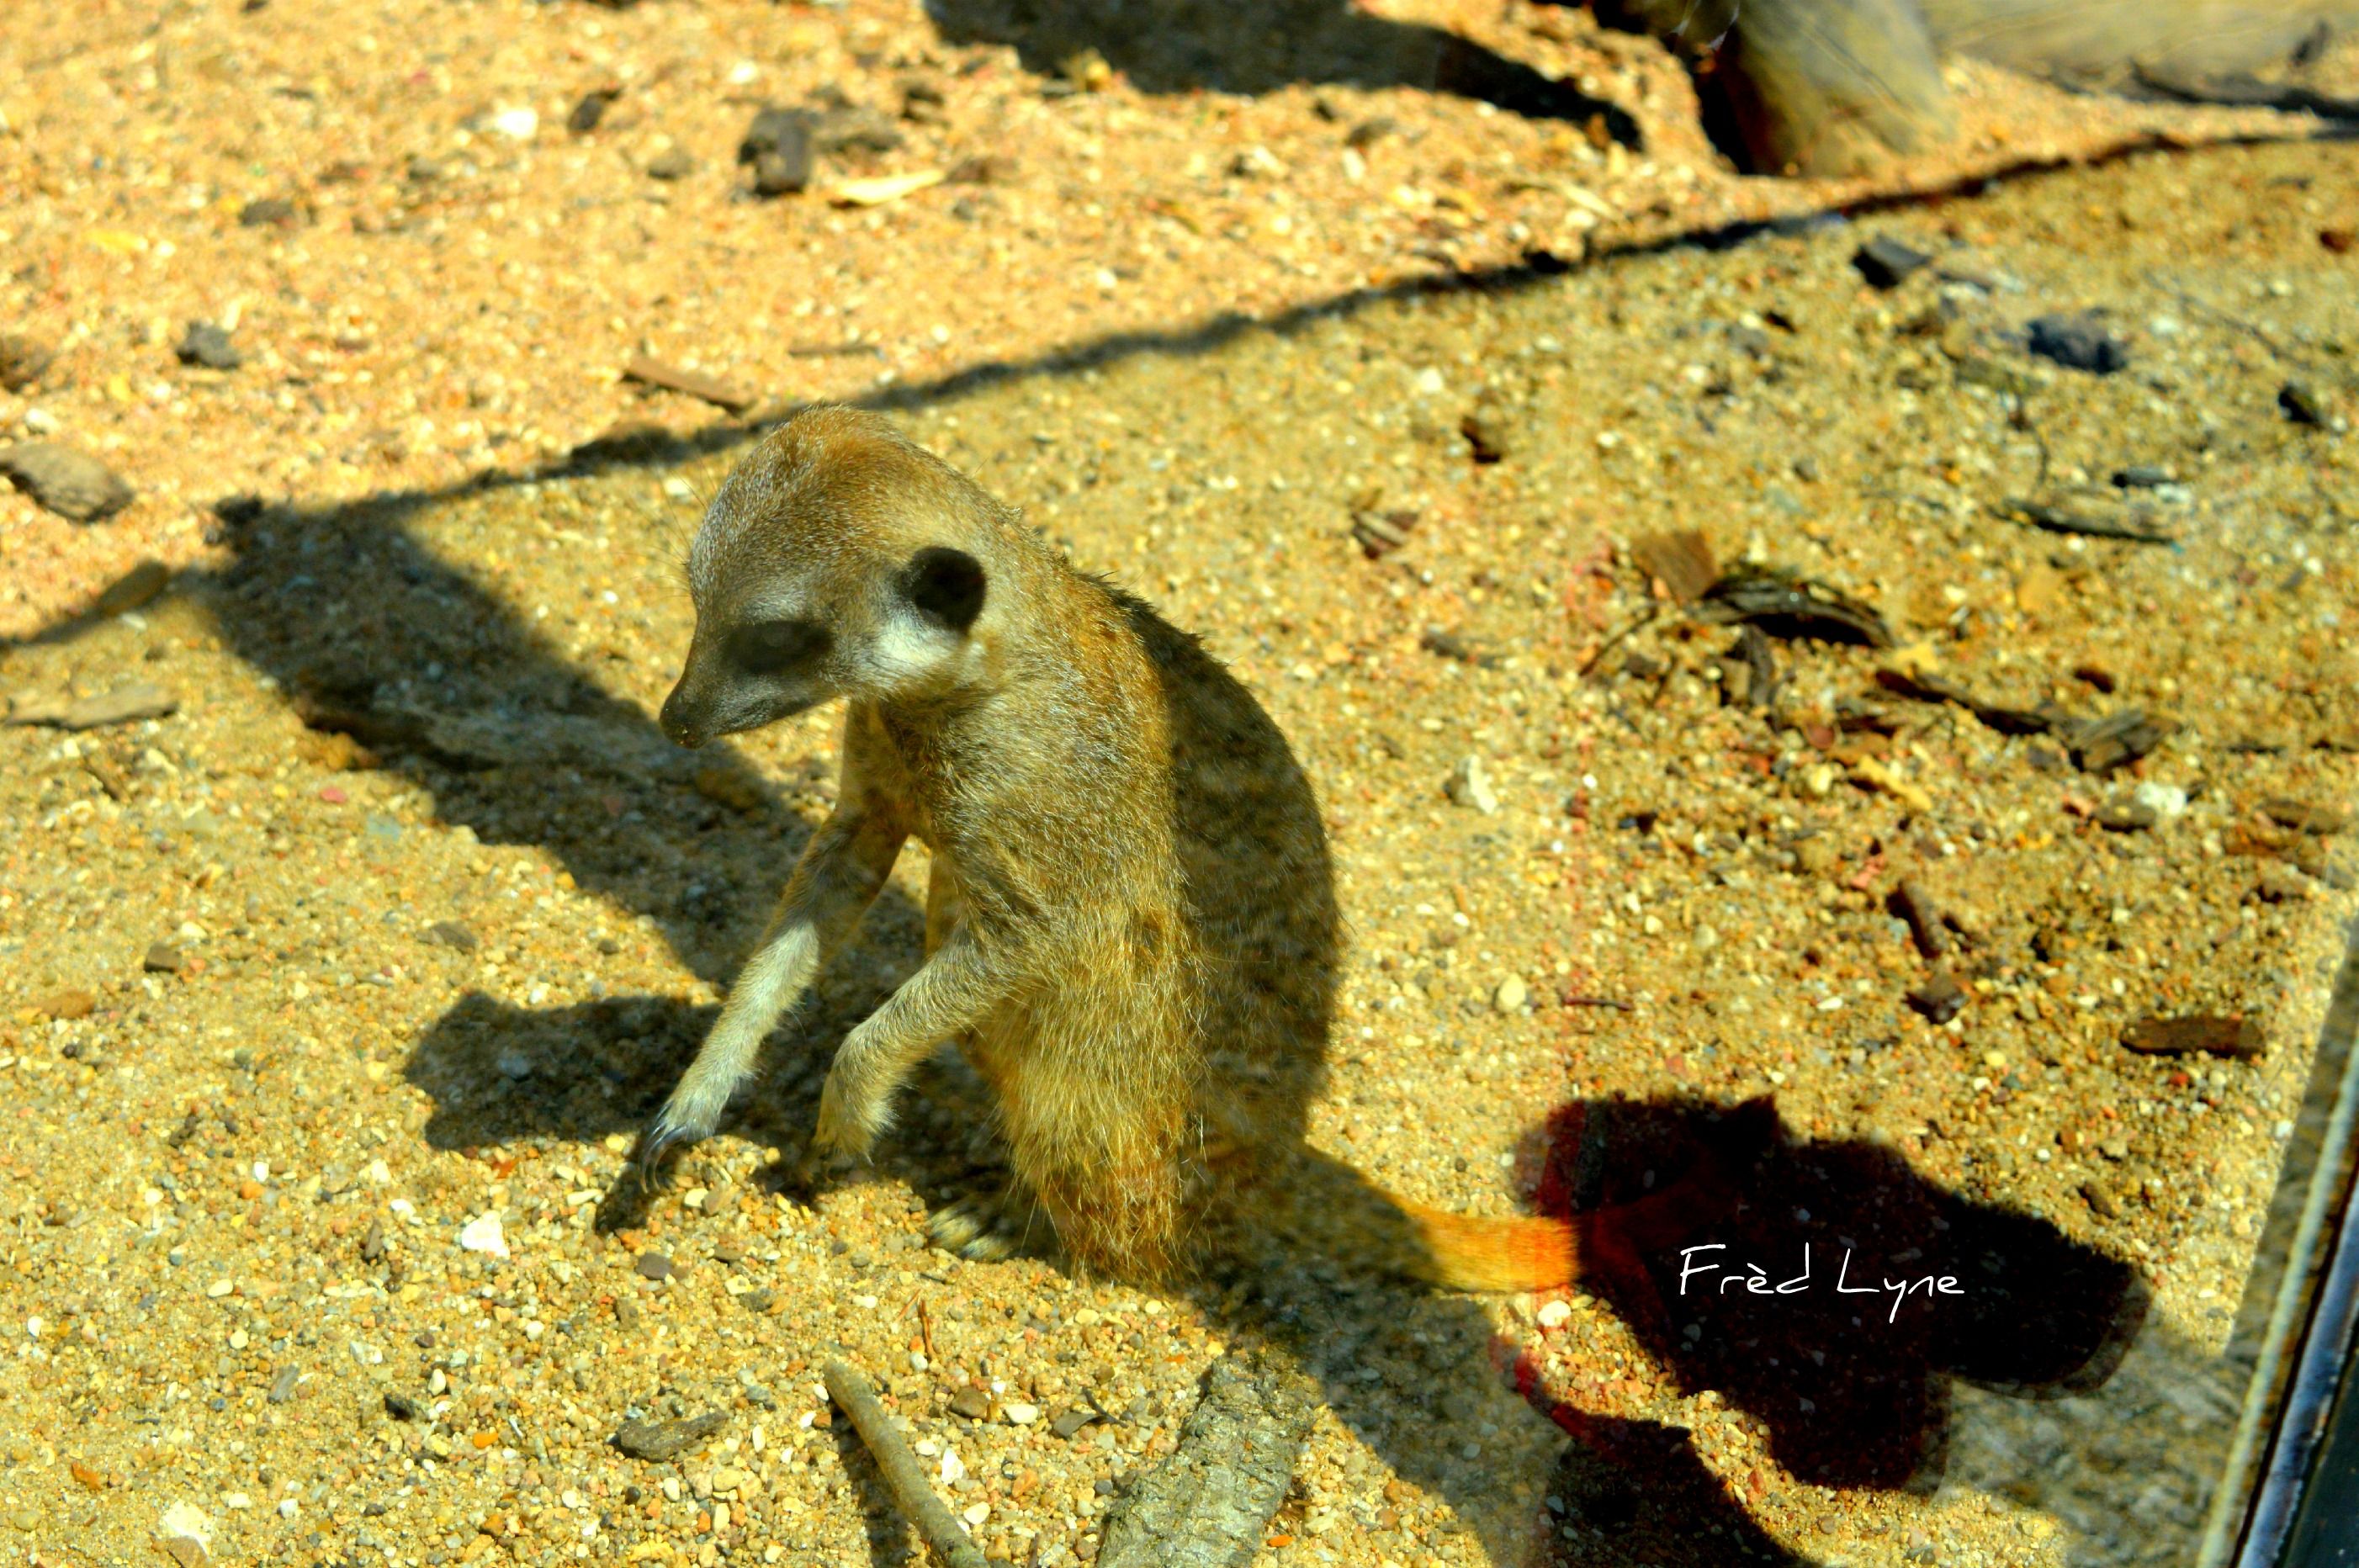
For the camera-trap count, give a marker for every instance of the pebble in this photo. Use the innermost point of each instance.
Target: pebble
(514, 1065)
(2079, 341)
(1469, 786)
(2235, 1037)
(208, 346)
(672, 163)
(268, 212)
(778, 145)
(517, 123)
(1939, 998)
(451, 934)
(162, 958)
(1554, 1314)
(1070, 1421)
(372, 1244)
(2301, 404)
(972, 1402)
(1886, 262)
(1486, 433)
(654, 1266)
(2127, 816)
(483, 1234)
(1018, 1413)
(71, 484)
(23, 362)
(1512, 995)
(659, 1441)
(589, 109)
(282, 1387)
(2167, 801)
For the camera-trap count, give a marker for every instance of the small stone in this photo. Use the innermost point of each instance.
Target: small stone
(656, 1442)
(972, 1402)
(2303, 817)
(1469, 786)
(2235, 1037)
(66, 1005)
(1068, 1422)
(778, 145)
(1886, 263)
(2167, 801)
(1512, 995)
(2302, 404)
(672, 163)
(1018, 1413)
(1368, 132)
(208, 346)
(2100, 1198)
(270, 211)
(517, 123)
(401, 1406)
(483, 1234)
(373, 1243)
(162, 958)
(2079, 341)
(134, 588)
(1553, 1314)
(451, 934)
(1938, 999)
(2278, 883)
(2125, 816)
(589, 109)
(514, 1065)
(283, 1387)
(23, 362)
(71, 484)
(653, 1266)
(1486, 433)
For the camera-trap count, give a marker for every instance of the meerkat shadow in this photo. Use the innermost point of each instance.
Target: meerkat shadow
(1839, 1296)
(1187, 45)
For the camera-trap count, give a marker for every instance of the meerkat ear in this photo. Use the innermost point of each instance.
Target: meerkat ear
(946, 586)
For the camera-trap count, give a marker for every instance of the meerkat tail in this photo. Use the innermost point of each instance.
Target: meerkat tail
(1475, 1252)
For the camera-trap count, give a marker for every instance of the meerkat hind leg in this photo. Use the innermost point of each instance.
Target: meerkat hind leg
(990, 1227)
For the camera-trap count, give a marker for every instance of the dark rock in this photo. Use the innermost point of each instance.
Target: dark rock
(2234, 1036)
(778, 145)
(270, 211)
(23, 362)
(659, 1441)
(2301, 404)
(1886, 263)
(1367, 133)
(70, 483)
(162, 958)
(972, 1402)
(451, 934)
(2125, 816)
(1681, 561)
(590, 110)
(372, 1244)
(2141, 476)
(672, 163)
(922, 102)
(1938, 999)
(2079, 341)
(654, 1266)
(1486, 434)
(401, 1406)
(208, 346)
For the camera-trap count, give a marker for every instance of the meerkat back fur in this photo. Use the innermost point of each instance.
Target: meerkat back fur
(1131, 924)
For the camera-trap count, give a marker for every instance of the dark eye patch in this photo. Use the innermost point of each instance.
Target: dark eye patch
(771, 648)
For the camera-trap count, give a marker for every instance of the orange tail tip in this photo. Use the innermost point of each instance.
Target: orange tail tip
(1472, 1252)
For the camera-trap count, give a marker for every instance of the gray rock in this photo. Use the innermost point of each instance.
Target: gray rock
(1886, 263)
(70, 483)
(659, 1441)
(2079, 341)
(22, 361)
(672, 163)
(209, 345)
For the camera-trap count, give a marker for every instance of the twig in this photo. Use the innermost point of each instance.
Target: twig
(903, 1477)
(1598, 1002)
(1608, 645)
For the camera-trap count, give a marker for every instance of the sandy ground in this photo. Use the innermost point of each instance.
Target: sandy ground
(452, 281)
(295, 1010)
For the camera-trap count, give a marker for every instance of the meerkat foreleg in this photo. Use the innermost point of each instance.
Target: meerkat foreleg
(954, 991)
(837, 878)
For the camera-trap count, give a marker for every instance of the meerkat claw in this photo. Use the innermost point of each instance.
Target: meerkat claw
(658, 1142)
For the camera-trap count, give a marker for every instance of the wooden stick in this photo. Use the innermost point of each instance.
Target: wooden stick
(903, 1476)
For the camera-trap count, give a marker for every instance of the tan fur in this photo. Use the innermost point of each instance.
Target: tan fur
(1131, 927)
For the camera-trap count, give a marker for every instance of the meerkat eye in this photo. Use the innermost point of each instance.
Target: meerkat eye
(768, 648)
(946, 586)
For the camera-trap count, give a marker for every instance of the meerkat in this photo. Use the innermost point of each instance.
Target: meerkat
(1131, 926)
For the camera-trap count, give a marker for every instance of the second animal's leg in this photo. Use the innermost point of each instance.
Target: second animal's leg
(840, 871)
(950, 994)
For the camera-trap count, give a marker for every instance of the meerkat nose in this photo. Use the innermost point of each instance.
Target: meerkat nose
(676, 729)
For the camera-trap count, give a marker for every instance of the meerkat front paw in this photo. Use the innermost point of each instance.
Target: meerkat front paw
(679, 1124)
(847, 1125)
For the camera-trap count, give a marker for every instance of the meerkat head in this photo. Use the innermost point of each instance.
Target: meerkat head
(838, 558)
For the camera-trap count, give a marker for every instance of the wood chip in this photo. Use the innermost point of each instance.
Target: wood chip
(1208, 1504)
(695, 382)
(2233, 1036)
(2303, 817)
(882, 189)
(125, 704)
